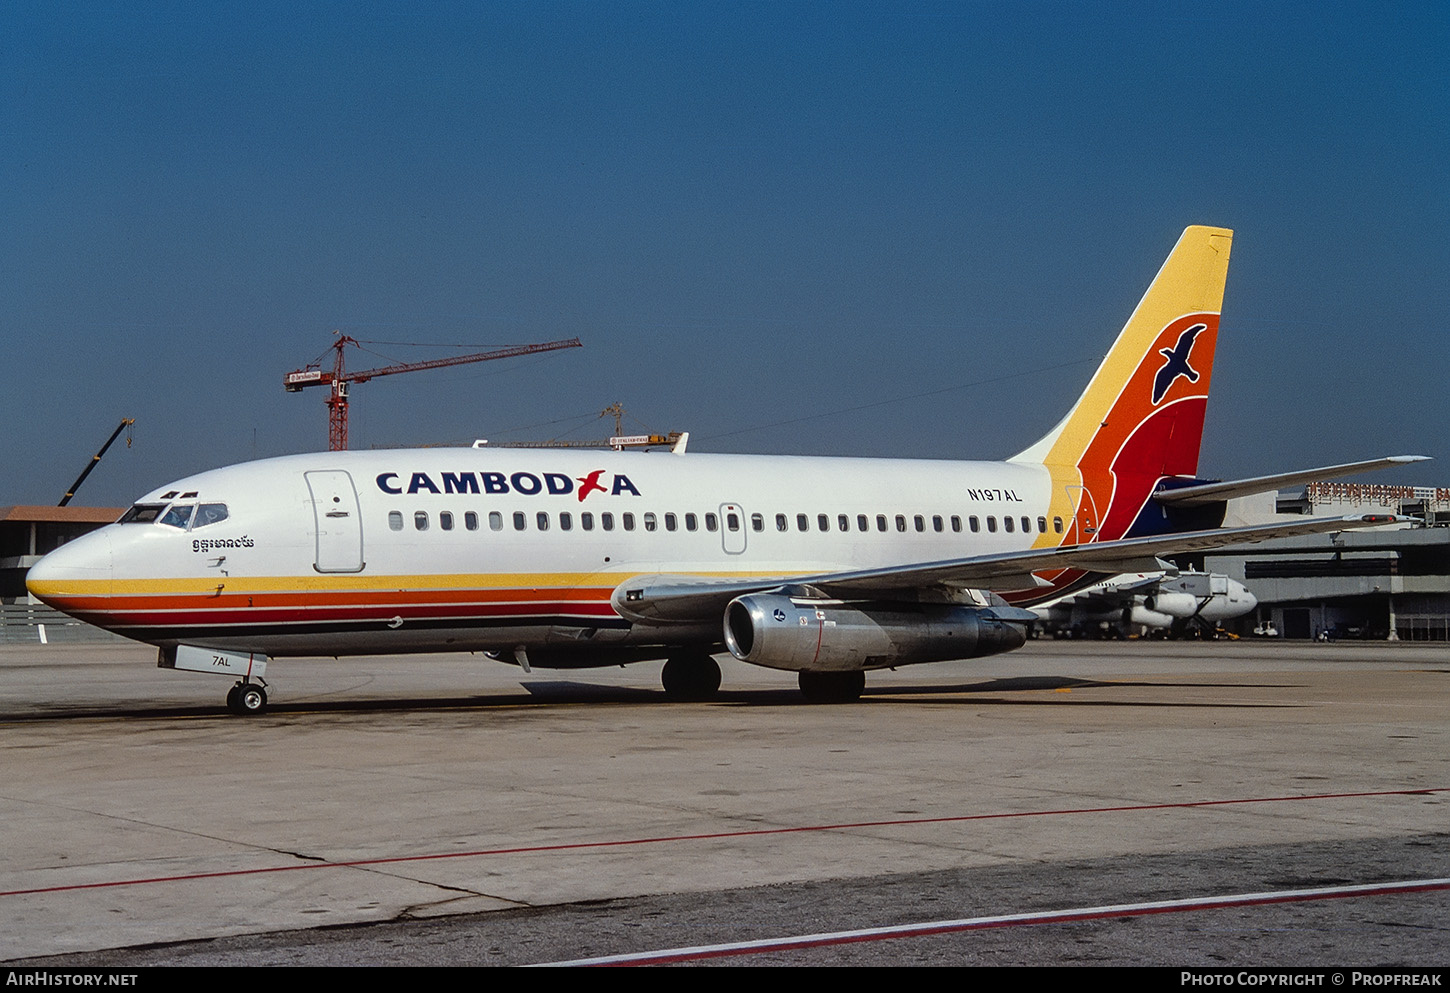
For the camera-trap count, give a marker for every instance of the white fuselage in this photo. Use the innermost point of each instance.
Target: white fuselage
(477, 548)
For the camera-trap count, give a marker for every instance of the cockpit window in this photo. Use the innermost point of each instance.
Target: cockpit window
(179, 516)
(209, 513)
(142, 513)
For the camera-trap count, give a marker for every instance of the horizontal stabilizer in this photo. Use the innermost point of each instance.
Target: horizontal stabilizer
(1188, 496)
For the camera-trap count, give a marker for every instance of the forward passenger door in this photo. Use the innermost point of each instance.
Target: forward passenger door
(338, 521)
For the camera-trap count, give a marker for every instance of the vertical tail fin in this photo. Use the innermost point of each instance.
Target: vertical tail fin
(1141, 416)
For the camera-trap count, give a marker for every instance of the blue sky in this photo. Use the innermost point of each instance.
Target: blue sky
(842, 228)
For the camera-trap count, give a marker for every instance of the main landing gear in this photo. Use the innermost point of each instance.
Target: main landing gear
(690, 676)
(832, 687)
(246, 699)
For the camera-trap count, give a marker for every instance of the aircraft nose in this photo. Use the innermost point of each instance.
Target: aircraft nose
(77, 568)
(1248, 599)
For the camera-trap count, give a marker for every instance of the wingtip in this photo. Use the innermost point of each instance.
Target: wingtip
(1375, 520)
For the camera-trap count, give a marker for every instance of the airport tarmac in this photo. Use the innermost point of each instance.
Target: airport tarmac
(454, 810)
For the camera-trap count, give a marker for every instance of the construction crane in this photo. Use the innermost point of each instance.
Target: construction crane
(339, 378)
(675, 439)
(126, 423)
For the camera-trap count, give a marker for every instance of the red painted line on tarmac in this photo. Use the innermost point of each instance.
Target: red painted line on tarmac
(717, 835)
(1072, 915)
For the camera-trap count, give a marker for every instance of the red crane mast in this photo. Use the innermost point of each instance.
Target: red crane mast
(339, 378)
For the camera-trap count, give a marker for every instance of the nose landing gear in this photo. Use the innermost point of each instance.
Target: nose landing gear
(246, 699)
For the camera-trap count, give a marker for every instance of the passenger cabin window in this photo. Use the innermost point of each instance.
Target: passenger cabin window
(671, 522)
(395, 520)
(495, 521)
(757, 523)
(782, 523)
(1026, 525)
(420, 520)
(862, 524)
(843, 522)
(974, 524)
(712, 523)
(542, 519)
(936, 524)
(1057, 524)
(566, 521)
(1006, 524)
(628, 521)
(521, 520)
(991, 524)
(880, 522)
(445, 520)
(692, 523)
(802, 522)
(900, 522)
(179, 516)
(956, 524)
(470, 520)
(823, 522)
(606, 521)
(650, 522)
(1041, 525)
(586, 521)
(920, 522)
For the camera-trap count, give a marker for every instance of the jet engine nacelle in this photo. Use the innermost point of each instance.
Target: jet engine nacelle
(1179, 605)
(806, 635)
(1149, 618)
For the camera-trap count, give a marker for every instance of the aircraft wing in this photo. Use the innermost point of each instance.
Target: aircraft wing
(672, 599)
(1111, 557)
(1112, 596)
(1098, 602)
(1147, 585)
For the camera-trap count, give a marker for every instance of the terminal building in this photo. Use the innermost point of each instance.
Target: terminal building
(1388, 583)
(27, 533)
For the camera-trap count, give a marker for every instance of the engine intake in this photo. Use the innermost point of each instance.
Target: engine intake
(804, 635)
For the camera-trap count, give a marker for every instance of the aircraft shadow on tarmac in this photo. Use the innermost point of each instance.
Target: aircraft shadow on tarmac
(547, 693)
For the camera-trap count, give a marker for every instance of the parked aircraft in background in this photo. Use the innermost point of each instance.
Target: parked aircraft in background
(1185, 604)
(828, 567)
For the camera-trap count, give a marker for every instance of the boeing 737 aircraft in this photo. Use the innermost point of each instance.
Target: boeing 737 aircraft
(828, 567)
(1176, 605)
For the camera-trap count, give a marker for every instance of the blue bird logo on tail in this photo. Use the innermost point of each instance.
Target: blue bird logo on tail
(1177, 364)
